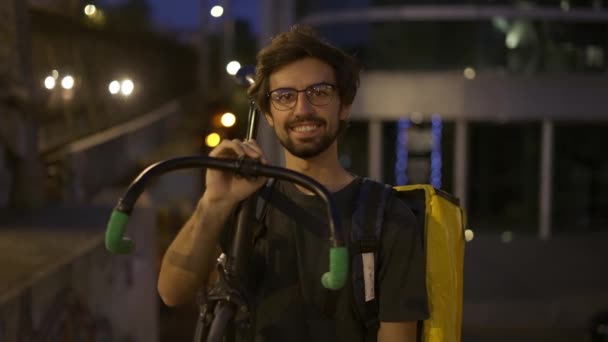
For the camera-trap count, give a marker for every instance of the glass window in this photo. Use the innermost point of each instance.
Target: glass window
(503, 182)
(517, 46)
(580, 193)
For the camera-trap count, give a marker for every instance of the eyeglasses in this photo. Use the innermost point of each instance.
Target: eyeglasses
(319, 94)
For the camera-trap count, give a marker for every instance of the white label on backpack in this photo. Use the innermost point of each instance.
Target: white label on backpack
(368, 276)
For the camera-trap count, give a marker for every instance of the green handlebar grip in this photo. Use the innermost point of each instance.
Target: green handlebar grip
(338, 269)
(116, 242)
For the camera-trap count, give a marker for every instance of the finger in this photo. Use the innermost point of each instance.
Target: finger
(254, 145)
(252, 151)
(228, 148)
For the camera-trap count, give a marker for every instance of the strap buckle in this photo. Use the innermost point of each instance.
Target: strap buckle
(365, 246)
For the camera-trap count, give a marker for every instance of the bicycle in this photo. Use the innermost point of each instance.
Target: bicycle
(228, 301)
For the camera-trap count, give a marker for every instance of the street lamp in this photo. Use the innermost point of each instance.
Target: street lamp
(228, 119)
(114, 87)
(217, 11)
(67, 82)
(90, 10)
(126, 87)
(49, 82)
(213, 139)
(233, 67)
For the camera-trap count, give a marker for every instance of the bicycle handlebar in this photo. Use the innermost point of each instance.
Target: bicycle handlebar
(117, 242)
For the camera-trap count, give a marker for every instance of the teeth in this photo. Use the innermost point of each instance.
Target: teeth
(305, 128)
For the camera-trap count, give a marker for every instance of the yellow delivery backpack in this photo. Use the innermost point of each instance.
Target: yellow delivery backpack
(443, 220)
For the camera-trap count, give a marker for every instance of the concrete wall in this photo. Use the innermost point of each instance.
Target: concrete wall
(489, 96)
(65, 254)
(84, 167)
(17, 124)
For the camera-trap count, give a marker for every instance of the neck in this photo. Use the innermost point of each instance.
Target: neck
(324, 168)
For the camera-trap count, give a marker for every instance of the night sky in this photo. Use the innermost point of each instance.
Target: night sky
(184, 14)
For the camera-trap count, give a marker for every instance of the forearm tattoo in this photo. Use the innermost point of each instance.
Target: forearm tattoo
(181, 260)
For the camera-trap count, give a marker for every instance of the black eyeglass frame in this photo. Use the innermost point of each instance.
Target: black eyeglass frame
(307, 91)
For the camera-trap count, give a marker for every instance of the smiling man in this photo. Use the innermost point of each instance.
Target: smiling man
(305, 88)
(314, 127)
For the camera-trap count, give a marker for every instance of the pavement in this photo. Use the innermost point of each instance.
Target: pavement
(533, 290)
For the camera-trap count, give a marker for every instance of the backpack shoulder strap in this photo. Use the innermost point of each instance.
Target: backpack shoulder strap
(264, 195)
(367, 220)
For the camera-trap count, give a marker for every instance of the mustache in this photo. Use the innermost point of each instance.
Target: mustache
(302, 119)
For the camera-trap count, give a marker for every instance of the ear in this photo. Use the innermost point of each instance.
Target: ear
(269, 119)
(344, 112)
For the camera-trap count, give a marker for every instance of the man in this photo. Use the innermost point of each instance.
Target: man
(305, 88)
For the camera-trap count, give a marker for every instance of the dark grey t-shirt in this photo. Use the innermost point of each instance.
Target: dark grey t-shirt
(292, 254)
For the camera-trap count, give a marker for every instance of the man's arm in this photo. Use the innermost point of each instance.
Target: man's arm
(397, 332)
(189, 260)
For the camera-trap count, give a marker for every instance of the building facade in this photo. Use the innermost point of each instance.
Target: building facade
(499, 102)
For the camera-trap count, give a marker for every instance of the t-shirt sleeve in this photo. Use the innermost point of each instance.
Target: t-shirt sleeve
(401, 277)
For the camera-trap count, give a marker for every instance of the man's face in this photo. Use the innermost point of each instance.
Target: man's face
(306, 130)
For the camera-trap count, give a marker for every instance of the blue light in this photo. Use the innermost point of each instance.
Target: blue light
(436, 128)
(401, 151)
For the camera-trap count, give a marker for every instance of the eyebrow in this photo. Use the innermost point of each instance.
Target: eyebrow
(308, 86)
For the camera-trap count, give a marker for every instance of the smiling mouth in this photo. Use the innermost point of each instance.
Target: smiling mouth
(304, 128)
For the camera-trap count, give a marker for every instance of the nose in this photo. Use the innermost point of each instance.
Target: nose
(303, 106)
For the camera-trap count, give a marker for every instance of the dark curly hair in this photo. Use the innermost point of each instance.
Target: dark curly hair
(297, 43)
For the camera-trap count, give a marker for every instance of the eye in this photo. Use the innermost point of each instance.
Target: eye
(283, 96)
(321, 90)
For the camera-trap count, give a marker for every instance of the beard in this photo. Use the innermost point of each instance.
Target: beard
(307, 148)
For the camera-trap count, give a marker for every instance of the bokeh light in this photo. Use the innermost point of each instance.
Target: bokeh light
(469, 235)
(228, 119)
(217, 11)
(127, 87)
(67, 82)
(49, 82)
(469, 73)
(233, 67)
(213, 139)
(90, 10)
(114, 87)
